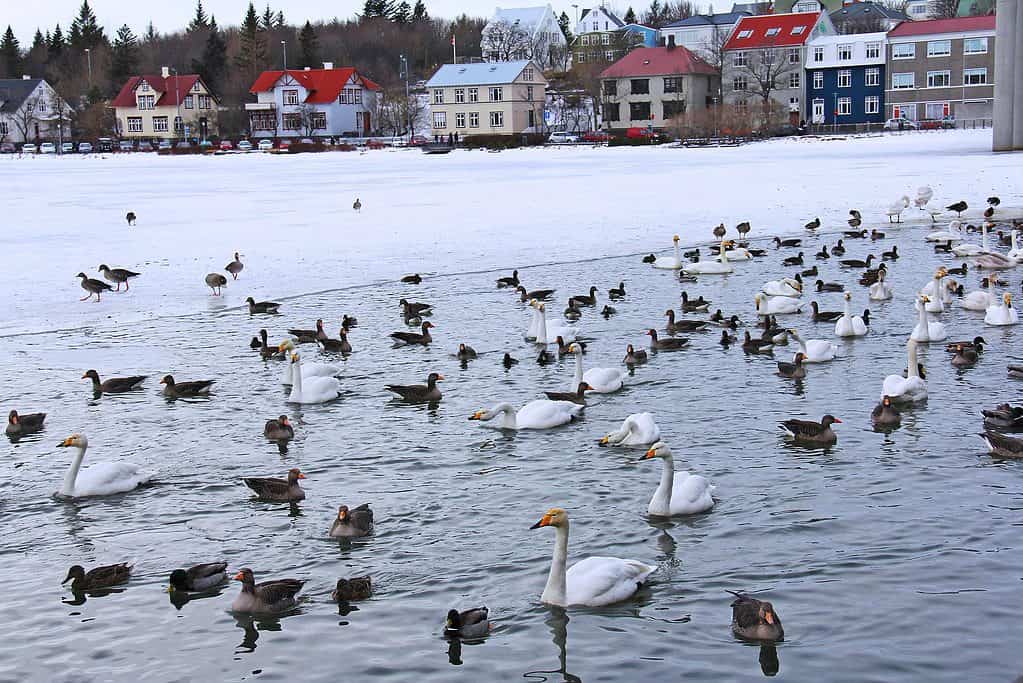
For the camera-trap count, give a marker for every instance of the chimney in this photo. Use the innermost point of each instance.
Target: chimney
(671, 42)
(165, 71)
(328, 65)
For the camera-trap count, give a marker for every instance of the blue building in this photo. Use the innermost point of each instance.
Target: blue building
(648, 37)
(845, 79)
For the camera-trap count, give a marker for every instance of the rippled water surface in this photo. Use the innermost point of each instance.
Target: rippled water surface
(888, 557)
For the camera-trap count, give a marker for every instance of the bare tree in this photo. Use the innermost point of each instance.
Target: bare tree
(26, 118)
(307, 118)
(395, 112)
(763, 71)
(713, 52)
(943, 9)
(505, 41)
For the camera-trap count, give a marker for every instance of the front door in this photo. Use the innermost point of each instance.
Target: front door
(818, 111)
(365, 123)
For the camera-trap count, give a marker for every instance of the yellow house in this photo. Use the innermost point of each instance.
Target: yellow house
(491, 98)
(166, 106)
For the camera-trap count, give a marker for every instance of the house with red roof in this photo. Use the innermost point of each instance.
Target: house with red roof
(763, 65)
(327, 102)
(941, 70)
(165, 107)
(652, 85)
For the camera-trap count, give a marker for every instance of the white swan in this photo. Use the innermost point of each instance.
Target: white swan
(308, 369)
(923, 195)
(311, 389)
(850, 325)
(927, 330)
(935, 293)
(601, 380)
(534, 322)
(1002, 312)
(896, 208)
(101, 479)
(783, 287)
(669, 262)
(973, 249)
(739, 254)
(1016, 254)
(718, 266)
(879, 291)
(593, 582)
(953, 233)
(539, 414)
(548, 333)
(906, 389)
(814, 350)
(679, 493)
(977, 300)
(779, 305)
(638, 429)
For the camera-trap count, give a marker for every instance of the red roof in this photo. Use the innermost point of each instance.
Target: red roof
(324, 85)
(166, 89)
(936, 26)
(657, 61)
(782, 37)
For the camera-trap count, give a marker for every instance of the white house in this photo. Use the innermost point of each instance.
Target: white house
(325, 102)
(702, 33)
(530, 33)
(31, 110)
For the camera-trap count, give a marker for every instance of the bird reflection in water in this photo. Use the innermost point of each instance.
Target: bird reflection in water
(557, 621)
(251, 626)
(769, 663)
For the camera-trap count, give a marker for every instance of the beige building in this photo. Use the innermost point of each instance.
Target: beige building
(495, 98)
(166, 107)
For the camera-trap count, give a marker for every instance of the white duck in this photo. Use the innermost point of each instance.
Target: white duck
(953, 233)
(548, 333)
(594, 581)
(814, 350)
(669, 262)
(101, 479)
(308, 369)
(783, 287)
(880, 291)
(850, 325)
(638, 429)
(718, 266)
(311, 389)
(679, 493)
(973, 249)
(1002, 312)
(601, 380)
(896, 208)
(779, 305)
(539, 414)
(906, 389)
(927, 330)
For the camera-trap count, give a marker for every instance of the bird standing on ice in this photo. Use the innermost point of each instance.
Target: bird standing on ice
(357, 205)
(130, 217)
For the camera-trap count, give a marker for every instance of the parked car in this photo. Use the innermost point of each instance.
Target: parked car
(900, 124)
(183, 144)
(418, 140)
(307, 141)
(47, 148)
(284, 144)
(596, 136)
(29, 148)
(562, 137)
(265, 145)
(164, 145)
(105, 145)
(244, 146)
(145, 146)
(67, 148)
(226, 146)
(84, 147)
(7, 148)
(126, 146)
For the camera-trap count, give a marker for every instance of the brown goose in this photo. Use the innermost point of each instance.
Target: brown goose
(201, 577)
(751, 345)
(235, 266)
(413, 279)
(341, 345)
(587, 300)
(1004, 416)
(634, 356)
(117, 275)
(876, 234)
(19, 425)
(694, 306)
(114, 385)
(419, 393)
(265, 350)
(413, 309)
(261, 306)
(279, 429)
(352, 523)
(754, 619)
(674, 327)
(185, 389)
(669, 344)
(410, 338)
(509, 280)
(215, 281)
(538, 294)
(130, 217)
(266, 597)
(1003, 446)
(93, 286)
(617, 292)
(350, 590)
(824, 316)
(100, 577)
(885, 414)
(793, 370)
(577, 396)
(809, 432)
(278, 490)
(309, 336)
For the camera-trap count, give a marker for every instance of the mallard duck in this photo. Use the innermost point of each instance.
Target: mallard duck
(796, 260)
(814, 224)
(1004, 416)
(726, 339)
(185, 389)
(649, 258)
(617, 292)
(577, 396)
(608, 311)
(810, 272)
(856, 234)
(262, 306)
(569, 349)
(823, 253)
(279, 429)
(114, 385)
(793, 370)
(419, 392)
(961, 270)
(809, 432)
(215, 281)
(350, 590)
(885, 414)
(670, 344)
(100, 577)
(413, 279)
(410, 338)
(634, 356)
(117, 275)
(891, 255)
(823, 286)
(572, 311)
(473, 623)
(876, 235)
(694, 305)
(201, 577)
(754, 619)
(278, 490)
(93, 286)
(509, 280)
(357, 205)
(855, 219)
(352, 523)
(823, 316)
(965, 357)
(19, 425)
(266, 597)
(751, 345)
(1003, 446)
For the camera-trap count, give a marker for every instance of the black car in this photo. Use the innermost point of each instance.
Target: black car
(105, 145)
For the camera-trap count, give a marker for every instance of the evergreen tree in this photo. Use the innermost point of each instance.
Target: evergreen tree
(402, 13)
(151, 35)
(251, 44)
(10, 55)
(566, 27)
(86, 33)
(279, 20)
(199, 21)
(419, 13)
(309, 46)
(124, 58)
(630, 16)
(268, 18)
(213, 64)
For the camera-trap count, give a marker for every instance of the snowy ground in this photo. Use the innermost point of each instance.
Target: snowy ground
(291, 216)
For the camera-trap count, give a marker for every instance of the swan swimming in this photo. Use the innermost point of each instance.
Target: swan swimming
(908, 389)
(669, 262)
(638, 429)
(539, 414)
(101, 479)
(679, 493)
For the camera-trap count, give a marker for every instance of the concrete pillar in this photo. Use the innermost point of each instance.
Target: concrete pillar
(1017, 82)
(1005, 75)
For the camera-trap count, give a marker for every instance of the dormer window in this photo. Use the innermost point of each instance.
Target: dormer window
(798, 30)
(196, 87)
(746, 33)
(772, 32)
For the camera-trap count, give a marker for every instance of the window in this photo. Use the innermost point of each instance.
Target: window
(794, 79)
(772, 32)
(873, 50)
(527, 74)
(144, 87)
(872, 77)
(41, 107)
(767, 57)
(818, 54)
(609, 55)
(975, 77)
(639, 86)
(529, 93)
(189, 102)
(844, 106)
(611, 88)
(798, 30)
(794, 104)
(319, 120)
(939, 48)
(496, 95)
(460, 120)
(440, 119)
(474, 94)
(745, 33)
(596, 26)
(204, 101)
(903, 80)
(530, 118)
(742, 106)
(605, 39)
(438, 96)
(474, 119)
(938, 79)
(936, 110)
(918, 8)
(673, 84)
(196, 87)
(673, 108)
(903, 50)
(806, 6)
(845, 79)
(291, 97)
(135, 124)
(159, 124)
(497, 119)
(739, 59)
(586, 40)
(844, 52)
(263, 120)
(147, 101)
(818, 80)
(974, 46)
(352, 96)
(292, 121)
(872, 104)
(793, 55)
(459, 95)
(179, 126)
(904, 111)
(639, 111)
(740, 84)
(818, 110)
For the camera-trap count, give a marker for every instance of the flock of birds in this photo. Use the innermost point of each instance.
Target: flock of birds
(597, 581)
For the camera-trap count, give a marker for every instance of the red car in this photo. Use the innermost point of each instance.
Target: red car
(639, 133)
(226, 145)
(596, 136)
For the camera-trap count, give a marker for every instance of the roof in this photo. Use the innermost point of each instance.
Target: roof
(723, 19)
(611, 15)
(484, 73)
(167, 89)
(324, 85)
(862, 11)
(658, 61)
(14, 92)
(938, 26)
(527, 17)
(786, 29)
(752, 7)
(844, 38)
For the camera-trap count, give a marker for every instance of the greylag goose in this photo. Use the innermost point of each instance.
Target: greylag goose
(538, 294)
(617, 292)
(958, 207)
(419, 393)
(587, 299)
(669, 344)
(262, 306)
(814, 224)
(857, 263)
(185, 389)
(965, 357)
(751, 345)
(117, 275)
(779, 242)
(754, 619)
(809, 432)
(352, 523)
(796, 260)
(357, 205)
(410, 338)
(130, 217)
(215, 281)
(413, 309)
(114, 385)
(634, 356)
(266, 597)
(279, 429)
(93, 286)
(673, 327)
(1003, 446)
(823, 286)
(743, 229)
(885, 414)
(235, 266)
(509, 280)
(19, 425)
(1004, 416)
(341, 345)
(509, 361)
(350, 590)
(694, 306)
(577, 396)
(278, 490)
(824, 316)
(100, 577)
(473, 623)
(793, 370)
(413, 279)
(719, 231)
(308, 336)
(465, 352)
(201, 577)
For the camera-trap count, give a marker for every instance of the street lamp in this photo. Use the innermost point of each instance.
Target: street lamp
(177, 98)
(403, 71)
(88, 56)
(284, 46)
